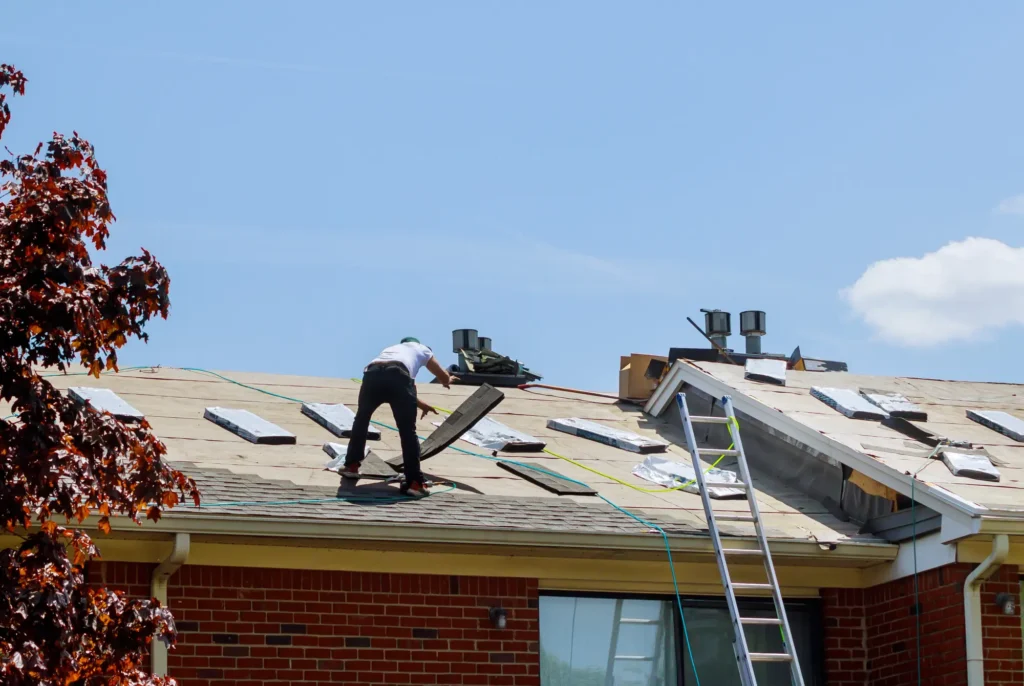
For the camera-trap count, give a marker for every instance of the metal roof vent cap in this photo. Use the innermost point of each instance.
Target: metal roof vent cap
(717, 326)
(752, 326)
(465, 339)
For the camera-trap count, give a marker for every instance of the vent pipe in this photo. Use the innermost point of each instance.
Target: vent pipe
(484, 342)
(752, 327)
(718, 326)
(465, 339)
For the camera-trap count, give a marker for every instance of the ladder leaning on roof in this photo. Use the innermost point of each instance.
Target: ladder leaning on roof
(744, 658)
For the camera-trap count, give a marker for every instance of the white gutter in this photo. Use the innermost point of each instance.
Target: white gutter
(972, 608)
(158, 589)
(938, 499)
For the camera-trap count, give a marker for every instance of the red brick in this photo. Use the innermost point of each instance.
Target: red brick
(453, 641)
(871, 635)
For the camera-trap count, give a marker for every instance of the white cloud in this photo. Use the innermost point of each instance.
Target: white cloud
(1013, 205)
(960, 292)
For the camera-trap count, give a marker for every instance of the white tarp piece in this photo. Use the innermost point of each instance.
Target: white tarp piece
(671, 473)
(337, 452)
(626, 440)
(895, 404)
(767, 371)
(974, 465)
(493, 435)
(105, 400)
(850, 403)
(249, 426)
(1003, 422)
(336, 418)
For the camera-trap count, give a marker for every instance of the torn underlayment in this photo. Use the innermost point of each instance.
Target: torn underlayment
(336, 418)
(671, 473)
(618, 438)
(850, 403)
(249, 426)
(493, 435)
(975, 464)
(765, 371)
(894, 404)
(1003, 422)
(105, 400)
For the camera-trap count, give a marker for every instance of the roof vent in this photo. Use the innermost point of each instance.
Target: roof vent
(752, 327)
(465, 339)
(717, 326)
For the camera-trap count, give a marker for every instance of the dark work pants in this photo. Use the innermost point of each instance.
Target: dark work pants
(388, 383)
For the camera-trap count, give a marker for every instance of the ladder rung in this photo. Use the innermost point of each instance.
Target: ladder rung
(770, 657)
(718, 451)
(735, 518)
(742, 551)
(752, 587)
(634, 658)
(639, 621)
(773, 621)
(709, 420)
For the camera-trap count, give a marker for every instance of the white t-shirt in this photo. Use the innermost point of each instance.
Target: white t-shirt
(412, 355)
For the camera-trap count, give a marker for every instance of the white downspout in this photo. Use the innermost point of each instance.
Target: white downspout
(158, 589)
(972, 608)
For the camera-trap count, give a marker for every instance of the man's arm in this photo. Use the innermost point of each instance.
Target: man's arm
(435, 368)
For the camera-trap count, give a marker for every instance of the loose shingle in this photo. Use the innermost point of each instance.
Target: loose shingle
(1003, 422)
(895, 404)
(249, 426)
(336, 418)
(105, 400)
(618, 438)
(848, 402)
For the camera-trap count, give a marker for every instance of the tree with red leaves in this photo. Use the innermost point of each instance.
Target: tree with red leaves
(61, 462)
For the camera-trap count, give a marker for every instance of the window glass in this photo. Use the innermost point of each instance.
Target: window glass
(607, 641)
(711, 636)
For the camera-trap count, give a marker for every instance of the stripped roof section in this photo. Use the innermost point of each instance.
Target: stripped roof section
(174, 401)
(946, 403)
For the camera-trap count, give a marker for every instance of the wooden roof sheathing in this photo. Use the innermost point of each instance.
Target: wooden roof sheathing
(174, 402)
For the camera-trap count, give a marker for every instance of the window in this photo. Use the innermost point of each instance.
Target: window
(637, 641)
(603, 641)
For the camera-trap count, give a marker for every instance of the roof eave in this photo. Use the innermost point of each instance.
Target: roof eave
(856, 552)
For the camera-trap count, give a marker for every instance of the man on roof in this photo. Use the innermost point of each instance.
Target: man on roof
(391, 378)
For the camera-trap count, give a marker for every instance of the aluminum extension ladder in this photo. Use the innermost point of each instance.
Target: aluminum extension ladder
(661, 636)
(744, 658)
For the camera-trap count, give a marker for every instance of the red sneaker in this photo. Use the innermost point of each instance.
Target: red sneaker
(414, 489)
(350, 471)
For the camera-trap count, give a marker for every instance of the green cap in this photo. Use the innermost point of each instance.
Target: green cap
(409, 339)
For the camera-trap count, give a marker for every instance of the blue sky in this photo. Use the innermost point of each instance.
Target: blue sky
(573, 179)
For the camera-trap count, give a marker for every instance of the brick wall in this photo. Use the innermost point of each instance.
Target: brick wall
(871, 634)
(252, 627)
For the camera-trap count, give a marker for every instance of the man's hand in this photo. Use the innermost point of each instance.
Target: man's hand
(427, 409)
(449, 380)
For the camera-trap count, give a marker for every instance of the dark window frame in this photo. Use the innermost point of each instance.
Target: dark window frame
(812, 606)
